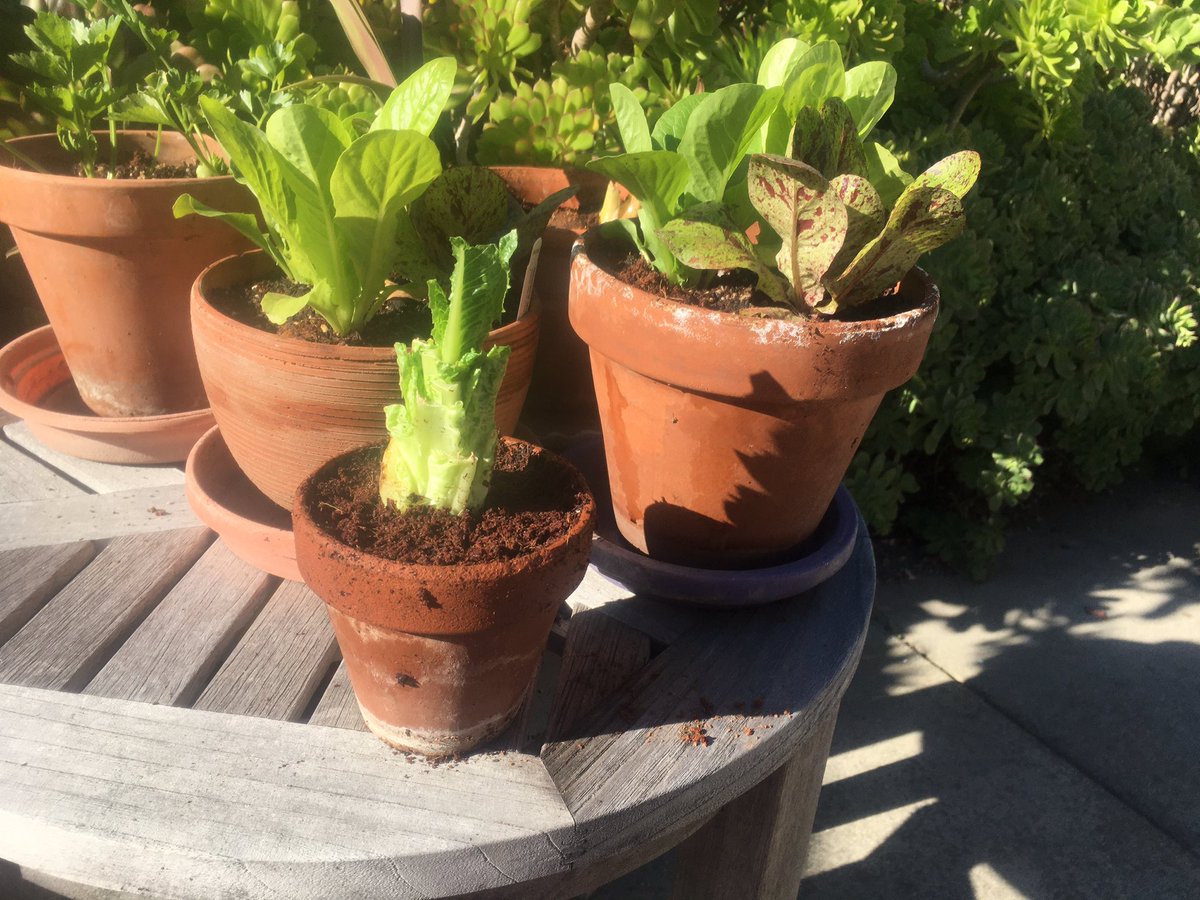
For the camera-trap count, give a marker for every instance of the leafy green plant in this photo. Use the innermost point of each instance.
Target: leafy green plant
(74, 82)
(443, 436)
(333, 203)
(839, 247)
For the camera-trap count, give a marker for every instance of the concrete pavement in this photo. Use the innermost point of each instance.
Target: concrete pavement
(1035, 736)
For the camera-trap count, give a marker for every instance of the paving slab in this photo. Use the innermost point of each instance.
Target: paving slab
(1088, 636)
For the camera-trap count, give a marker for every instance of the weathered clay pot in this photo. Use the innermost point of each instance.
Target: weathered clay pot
(113, 267)
(726, 436)
(440, 657)
(285, 406)
(561, 394)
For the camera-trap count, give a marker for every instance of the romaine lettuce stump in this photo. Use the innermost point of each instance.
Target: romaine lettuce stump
(443, 436)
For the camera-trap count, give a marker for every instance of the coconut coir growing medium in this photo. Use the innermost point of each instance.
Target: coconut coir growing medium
(533, 501)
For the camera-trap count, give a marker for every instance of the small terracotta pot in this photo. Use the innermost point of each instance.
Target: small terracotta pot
(726, 436)
(440, 657)
(285, 406)
(113, 267)
(561, 393)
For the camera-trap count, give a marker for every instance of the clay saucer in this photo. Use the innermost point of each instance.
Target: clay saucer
(224, 499)
(814, 561)
(36, 385)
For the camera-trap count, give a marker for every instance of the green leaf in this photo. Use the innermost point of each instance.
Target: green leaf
(870, 89)
(779, 60)
(815, 77)
(668, 130)
(374, 179)
(417, 103)
(479, 282)
(278, 308)
(144, 108)
(657, 178)
(704, 245)
(469, 202)
(804, 210)
(631, 120)
(719, 134)
(885, 172)
(956, 173)
(244, 223)
(827, 140)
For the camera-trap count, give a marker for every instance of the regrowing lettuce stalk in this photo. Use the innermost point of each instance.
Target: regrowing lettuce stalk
(333, 202)
(443, 436)
(837, 244)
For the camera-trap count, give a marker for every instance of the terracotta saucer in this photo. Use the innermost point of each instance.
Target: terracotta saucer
(36, 385)
(814, 561)
(253, 526)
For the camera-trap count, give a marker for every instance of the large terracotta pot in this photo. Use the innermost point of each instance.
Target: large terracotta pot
(561, 394)
(440, 657)
(113, 267)
(726, 436)
(285, 406)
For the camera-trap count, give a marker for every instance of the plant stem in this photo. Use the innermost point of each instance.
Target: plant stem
(21, 157)
(594, 18)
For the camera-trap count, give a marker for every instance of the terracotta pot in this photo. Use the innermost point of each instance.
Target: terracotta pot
(285, 406)
(561, 396)
(726, 436)
(440, 657)
(113, 266)
(36, 386)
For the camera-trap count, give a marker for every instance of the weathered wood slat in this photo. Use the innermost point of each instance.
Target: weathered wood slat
(279, 663)
(23, 478)
(337, 707)
(739, 676)
(664, 622)
(189, 804)
(33, 523)
(756, 845)
(28, 577)
(179, 646)
(103, 478)
(600, 655)
(73, 635)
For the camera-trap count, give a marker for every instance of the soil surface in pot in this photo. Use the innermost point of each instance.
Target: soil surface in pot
(731, 291)
(575, 220)
(400, 319)
(141, 165)
(533, 502)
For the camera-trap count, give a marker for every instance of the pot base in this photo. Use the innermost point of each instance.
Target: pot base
(814, 561)
(223, 498)
(436, 744)
(36, 385)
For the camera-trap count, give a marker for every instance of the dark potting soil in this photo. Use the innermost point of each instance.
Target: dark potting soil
(400, 320)
(732, 291)
(533, 501)
(574, 219)
(141, 165)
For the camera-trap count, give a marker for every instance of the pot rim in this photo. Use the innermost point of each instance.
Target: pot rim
(201, 303)
(774, 329)
(483, 571)
(8, 166)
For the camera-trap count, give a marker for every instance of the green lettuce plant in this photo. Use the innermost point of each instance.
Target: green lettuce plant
(333, 203)
(838, 245)
(442, 441)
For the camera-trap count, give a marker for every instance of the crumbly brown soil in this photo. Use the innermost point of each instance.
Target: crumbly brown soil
(400, 319)
(574, 219)
(732, 291)
(142, 165)
(533, 502)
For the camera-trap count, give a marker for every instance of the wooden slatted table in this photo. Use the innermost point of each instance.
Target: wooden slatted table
(175, 723)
